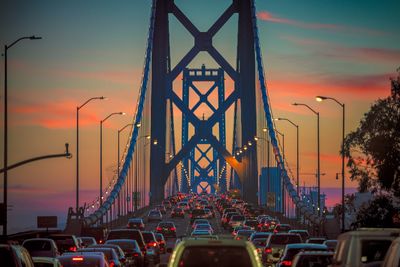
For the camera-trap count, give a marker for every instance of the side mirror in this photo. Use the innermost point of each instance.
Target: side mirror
(169, 250)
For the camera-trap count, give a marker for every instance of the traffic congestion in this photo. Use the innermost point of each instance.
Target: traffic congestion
(200, 230)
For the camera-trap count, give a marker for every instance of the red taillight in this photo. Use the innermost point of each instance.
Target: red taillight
(152, 244)
(286, 263)
(172, 229)
(135, 254)
(112, 264)
(159, 229)
(275, 231)
(77, 259)
(73, 249)
(268, 250)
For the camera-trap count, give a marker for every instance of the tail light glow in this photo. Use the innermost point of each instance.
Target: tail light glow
(77, 259)
(268, 250)
(172, 229)
(286, 263)
(159, 229)
(73, 249)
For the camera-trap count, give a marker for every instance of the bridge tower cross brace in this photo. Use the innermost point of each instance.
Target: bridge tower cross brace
(162, 90)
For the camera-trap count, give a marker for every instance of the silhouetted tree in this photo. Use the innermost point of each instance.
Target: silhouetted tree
(373, 149)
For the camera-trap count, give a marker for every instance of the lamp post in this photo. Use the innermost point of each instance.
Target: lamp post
(5, 157)
(297, 150)
(320, 99)
(318, 157)
(101, 155)
(148, 137)
(77, 146)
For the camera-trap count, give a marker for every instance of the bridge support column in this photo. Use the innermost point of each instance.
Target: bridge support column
(247, 87)
(159, 86)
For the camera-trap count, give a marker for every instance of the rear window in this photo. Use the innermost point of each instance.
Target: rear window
(123, 245)
(154, 212)
(148, 237)
(260, 242)
(315, 260)
(37, 245)
(166, 224)
(284, 239)
(251, 223)
(221, 256)
(290, 253)
(374, 250)
(109, 253)
(237, 218)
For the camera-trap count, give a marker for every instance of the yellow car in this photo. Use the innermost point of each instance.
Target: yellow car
(210, 253)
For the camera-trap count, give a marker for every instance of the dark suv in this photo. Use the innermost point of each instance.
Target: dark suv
(65, 242)
(135, 223)
(13, 255)
(128, 234)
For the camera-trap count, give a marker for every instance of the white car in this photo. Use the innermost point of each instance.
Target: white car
(46, 261)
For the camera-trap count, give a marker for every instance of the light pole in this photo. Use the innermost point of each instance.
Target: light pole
(148, 137)
(77, 146)
(297, 150)
(320, 99)
(5, 157)
(101, 155)
(318, 157)
(118, 167)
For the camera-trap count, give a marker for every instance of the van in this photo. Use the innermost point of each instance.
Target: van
(365, 246)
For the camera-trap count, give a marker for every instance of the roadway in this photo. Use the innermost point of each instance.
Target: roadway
(183, 228)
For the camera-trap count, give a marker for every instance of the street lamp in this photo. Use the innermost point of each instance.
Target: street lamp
(297, 149)
(320, 99)
(318, 156)
(148, 137)
(101, 155)
(284, 160)
(77, 146)
(5, 157)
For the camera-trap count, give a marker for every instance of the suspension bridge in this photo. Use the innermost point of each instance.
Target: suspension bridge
(173, 147)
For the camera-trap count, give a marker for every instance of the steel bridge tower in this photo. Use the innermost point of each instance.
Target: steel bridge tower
(243, 75)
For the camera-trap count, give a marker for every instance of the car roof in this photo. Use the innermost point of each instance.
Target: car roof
(121, 240)
(45, 260)
(330, 253)
(381, 232)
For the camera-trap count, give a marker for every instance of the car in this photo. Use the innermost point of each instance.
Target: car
(128, 234)
(303, 233)
(15, 256)
(259, 243)
(282, 228)
(198, 221)
(316, 240)
(208, 212)
(162, 209)
(110, 253)
(331, 244)
(221, 253)
(118, 250)
(133, 254)
(197, 214)
(252, 223)
(177, 212)
(161, 242)
(276, 244)
(225, 219)
(244, 234)
(363, 246)
(46, 262)
(392, 258)
(184, 205)
(154, 215)
(135, 223)
(236, 220)
(153, 249)
(292, 249)
(259, 235)
(88, 241)
(211, 208)
(41, 247)
(65, 242)
(167, 204)
(200, 233)
(204, 226)
(166, 228)
(237, 228)
(97, 259)
(312, 258)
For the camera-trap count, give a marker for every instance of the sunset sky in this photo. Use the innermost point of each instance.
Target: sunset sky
(343, 49)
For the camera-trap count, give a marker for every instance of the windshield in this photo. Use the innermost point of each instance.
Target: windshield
(284, 239)
(215, 256)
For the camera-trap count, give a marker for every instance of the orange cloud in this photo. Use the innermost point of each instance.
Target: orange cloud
(267, 16)
(337, 51)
